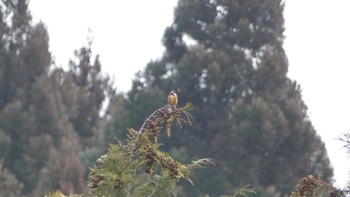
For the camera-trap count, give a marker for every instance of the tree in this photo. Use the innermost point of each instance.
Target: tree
(92, 88)
(24, 59)
(250, 116)
(64, 170)
(139, 168)
(25, 54)
(9, 185)
(43, 108)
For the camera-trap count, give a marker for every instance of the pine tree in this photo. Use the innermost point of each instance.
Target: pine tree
(92, 88)
(250, 116)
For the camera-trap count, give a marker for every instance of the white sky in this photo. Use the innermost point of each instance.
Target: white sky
(317, 46)
(317, 42)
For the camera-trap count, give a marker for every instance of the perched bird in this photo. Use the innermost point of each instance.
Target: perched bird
(172, 99)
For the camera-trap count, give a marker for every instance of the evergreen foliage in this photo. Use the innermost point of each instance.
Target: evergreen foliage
(140, 168)
(313, 186)
(9, 185)
(59, 194)
(24, 59)
(223, 56)
(226, 57)
(92, 89)
(45, 110)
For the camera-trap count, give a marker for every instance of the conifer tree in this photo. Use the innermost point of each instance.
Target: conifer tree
(42, 107)
(249, 116)
(24, 59)
(91, 88)
(9, 185)
(139, 167)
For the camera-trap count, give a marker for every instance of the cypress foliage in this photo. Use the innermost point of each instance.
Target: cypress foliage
(140, 168)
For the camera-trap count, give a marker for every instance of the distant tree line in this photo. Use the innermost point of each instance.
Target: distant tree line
(49, 117)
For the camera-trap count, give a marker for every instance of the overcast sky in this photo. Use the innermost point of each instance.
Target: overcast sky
(317, 41)
(317, 46)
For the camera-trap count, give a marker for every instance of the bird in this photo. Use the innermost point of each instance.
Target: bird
(172, 99)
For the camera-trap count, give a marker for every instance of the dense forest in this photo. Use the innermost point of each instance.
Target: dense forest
(248, 116)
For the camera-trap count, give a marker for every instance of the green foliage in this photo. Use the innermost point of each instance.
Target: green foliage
(59, 194)
(140, 168)
(90, 87)
(238, 192)
(5, 142)
(243, 191)
(64, 169)
(9, 185)
(250, 116)
(44, 110)
(24, 60)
